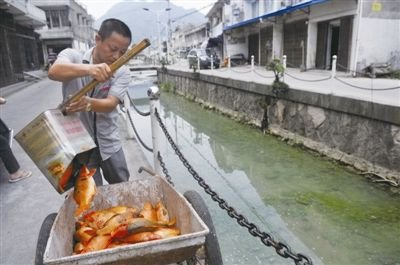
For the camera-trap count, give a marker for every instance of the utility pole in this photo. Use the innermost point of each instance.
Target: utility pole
(168, 30)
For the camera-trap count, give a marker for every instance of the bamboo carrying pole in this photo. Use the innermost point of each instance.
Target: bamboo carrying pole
(114, 67)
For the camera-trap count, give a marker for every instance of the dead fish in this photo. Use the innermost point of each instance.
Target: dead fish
(84, 234)
(144, 225)
(167, 232)
(115, 222)
(114, 244)
(78, 248)
(85, 190)
(98, 219)
(122, 209)
(140, 237)
(148, 212)
(62, 183)
(97, 243)
(162, 213)
(135, 225)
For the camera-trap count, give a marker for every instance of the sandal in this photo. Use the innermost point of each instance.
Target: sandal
(24, 174)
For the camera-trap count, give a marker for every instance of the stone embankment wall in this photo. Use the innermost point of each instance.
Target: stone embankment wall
(362, 134)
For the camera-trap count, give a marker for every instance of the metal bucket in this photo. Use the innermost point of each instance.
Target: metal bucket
(52, 140)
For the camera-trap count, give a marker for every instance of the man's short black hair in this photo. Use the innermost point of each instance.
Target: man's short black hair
(114, 25)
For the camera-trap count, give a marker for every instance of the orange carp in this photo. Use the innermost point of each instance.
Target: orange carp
(85, 190)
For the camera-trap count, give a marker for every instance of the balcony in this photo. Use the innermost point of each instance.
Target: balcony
(56, 33)
(25, 13)
(217, 30)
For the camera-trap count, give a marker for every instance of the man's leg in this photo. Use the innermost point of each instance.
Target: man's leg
(115, 169)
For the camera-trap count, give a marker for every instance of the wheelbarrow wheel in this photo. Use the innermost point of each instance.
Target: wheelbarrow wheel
(44, 237)
(212, 250)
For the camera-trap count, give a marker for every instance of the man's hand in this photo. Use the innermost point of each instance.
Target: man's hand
(83, 104)
(101, 72)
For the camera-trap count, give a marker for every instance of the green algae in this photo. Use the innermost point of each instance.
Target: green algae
(349, 209)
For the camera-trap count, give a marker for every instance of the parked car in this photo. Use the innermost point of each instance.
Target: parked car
(238, 59)
(205, 58)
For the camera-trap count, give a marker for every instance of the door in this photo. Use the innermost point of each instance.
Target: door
(333, 43)
(344, 45)
(295, 43)
(253, 47)
(266, 45)
(322, 40)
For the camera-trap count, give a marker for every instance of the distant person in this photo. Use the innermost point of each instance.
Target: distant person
(11, 163)
(51, 58)
(98, 108)
(9, 160)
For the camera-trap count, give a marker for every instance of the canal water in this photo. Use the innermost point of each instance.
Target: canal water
(315, 206)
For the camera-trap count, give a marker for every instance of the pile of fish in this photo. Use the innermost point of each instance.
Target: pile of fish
(118, 225)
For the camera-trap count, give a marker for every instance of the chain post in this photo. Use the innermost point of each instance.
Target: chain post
(127, 106)
(334, 59)
(212, 62)
(198, 63)
(252, 63)
(229, 62)
(154, 96)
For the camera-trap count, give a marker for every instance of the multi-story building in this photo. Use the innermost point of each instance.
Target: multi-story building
(68, 26)
(196, 36)
(216, 23)
(18, 42)
(310, 32)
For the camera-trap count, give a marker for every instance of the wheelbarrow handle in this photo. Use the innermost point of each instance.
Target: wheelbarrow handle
(134, 50)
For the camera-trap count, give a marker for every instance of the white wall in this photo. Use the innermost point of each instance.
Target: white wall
(379, 40)
(311, 45)
(332, 9)
(235, 48)
(277, 39)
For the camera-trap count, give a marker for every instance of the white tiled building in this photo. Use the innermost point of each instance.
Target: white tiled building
(68, 26)
(309, 32)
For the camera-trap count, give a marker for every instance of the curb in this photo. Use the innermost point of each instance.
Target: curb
(6, 91)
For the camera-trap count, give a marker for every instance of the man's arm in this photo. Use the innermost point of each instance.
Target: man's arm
(86, 103)
(63, 70)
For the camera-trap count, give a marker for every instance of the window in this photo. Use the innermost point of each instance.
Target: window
(48, 18)
(64, 18)
(55, 18)
(255, 9)
(268, 6)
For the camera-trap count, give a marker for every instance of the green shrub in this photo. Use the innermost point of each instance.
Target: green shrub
(278, 87)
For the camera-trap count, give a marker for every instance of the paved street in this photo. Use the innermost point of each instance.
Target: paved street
(25, 204)
(366, 89)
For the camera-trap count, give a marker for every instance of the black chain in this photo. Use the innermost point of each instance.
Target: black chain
(164, 169)
(281, 249)
(137, 134)
(134, 106)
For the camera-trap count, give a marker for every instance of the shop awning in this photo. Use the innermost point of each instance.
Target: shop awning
(279, 12)
(215, 42)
